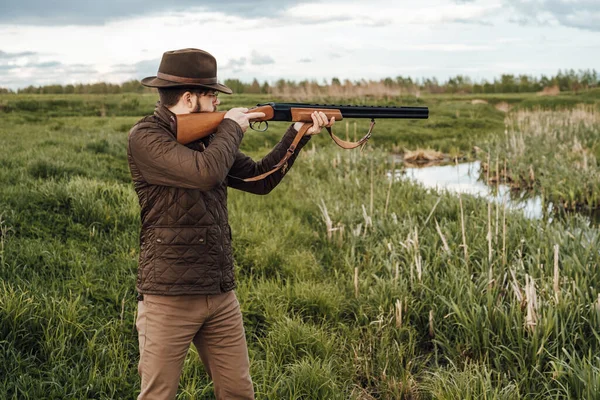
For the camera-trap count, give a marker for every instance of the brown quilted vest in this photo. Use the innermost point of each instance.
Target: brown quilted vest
(185, 238)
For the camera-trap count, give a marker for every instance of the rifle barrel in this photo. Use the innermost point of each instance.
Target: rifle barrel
(282, 111)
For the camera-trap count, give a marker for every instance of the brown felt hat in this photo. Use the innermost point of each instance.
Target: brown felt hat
(187, 67)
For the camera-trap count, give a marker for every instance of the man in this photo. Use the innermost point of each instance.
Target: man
(185, 273)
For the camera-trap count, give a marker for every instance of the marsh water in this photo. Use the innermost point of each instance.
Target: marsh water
(464, 178)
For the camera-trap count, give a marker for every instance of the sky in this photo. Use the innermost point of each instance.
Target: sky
(119, 40)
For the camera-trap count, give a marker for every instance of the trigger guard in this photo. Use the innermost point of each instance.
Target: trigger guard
(257, 129)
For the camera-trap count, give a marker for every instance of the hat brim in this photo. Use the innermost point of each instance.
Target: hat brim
(154, 82)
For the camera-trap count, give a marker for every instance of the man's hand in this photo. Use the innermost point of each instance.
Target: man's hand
(319, 121)
(243, 117)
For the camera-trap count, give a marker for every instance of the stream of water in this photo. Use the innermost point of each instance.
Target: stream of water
(463, 178)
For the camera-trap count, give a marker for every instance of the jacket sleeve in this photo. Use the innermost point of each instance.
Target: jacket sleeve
(161, 160)
(245, 167)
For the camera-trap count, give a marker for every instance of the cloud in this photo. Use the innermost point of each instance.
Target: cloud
(581, 14)
(24, 68)
(11, 56)
(72, 12)
(45, 64)
(44, 73)
(387, 13)
(448, 47)
(319, 13)
(10, 61)
(139, 70)
(305, 60)
(317, 20)
(472, 21)
(234, 65)
(258, 59)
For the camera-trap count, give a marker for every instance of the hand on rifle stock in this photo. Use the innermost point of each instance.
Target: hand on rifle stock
(243, 117)
(319, 121)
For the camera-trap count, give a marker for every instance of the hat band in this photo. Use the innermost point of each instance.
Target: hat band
(180, 79)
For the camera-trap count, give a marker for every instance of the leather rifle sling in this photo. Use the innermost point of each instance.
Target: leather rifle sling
(288, 154)
(344, 144)
(290, 151)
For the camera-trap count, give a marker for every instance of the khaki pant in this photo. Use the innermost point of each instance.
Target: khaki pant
(168, 324)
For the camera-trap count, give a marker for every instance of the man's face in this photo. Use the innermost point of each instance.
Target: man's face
(207, 102)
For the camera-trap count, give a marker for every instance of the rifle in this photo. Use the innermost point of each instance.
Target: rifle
(191, 127)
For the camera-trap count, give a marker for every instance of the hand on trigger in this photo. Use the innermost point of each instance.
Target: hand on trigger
(243, 117)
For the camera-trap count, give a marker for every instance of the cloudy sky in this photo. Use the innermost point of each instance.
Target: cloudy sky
(66, 41)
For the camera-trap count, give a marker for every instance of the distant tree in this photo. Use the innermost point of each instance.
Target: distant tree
(507, 83)
(280, 84)
(303, 84)
(388, 82)
(97, 88)
(404, 82)
(488, 87)
(524, 84)
(54, 89)
(265, 88)
(459, 84)
(586, 78)
(573, 80)
(545, 81)
(562, 80)
(536, 85)
(236, 85)
(29, 90)
(133, 86)
(254, 87)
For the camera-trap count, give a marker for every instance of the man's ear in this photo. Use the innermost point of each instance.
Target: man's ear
(186, 100)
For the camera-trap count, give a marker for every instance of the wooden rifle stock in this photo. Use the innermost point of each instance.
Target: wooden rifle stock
(191, 127)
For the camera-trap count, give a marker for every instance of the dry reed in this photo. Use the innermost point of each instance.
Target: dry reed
(444, 242)
(356, 282)
(531, 318)
(398, 306)
(556, 280)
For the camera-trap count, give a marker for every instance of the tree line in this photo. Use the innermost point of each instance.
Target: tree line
(567, 80)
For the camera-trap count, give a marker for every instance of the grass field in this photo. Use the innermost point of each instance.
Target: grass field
(351, 285)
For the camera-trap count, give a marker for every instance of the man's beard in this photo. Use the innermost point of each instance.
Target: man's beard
(199, 109)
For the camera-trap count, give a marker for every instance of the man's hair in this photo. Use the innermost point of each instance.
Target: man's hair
(170, 96)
